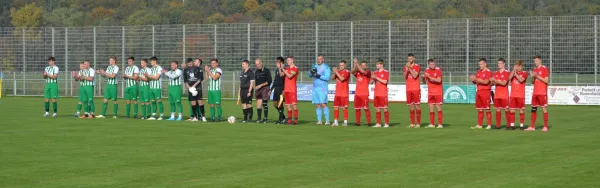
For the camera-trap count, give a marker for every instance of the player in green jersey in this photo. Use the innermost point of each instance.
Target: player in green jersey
(50, 74)
(76, 76)
(88, 78)
(214, 89)
(110, 91)
(174, 90)
(131, 87)
(155, 89)
(144, 94)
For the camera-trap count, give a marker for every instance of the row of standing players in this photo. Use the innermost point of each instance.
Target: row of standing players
(288, 75)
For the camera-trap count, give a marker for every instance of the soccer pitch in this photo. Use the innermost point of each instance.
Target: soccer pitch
(71, 152)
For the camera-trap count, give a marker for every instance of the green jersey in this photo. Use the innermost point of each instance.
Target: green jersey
(130, 71)
(141, 75)
(156, 71)
(215, 85)
(87, 73)
(51, 71)
(112, 70)
(174, 77)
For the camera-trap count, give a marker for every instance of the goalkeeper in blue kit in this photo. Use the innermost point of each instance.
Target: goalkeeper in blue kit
(321, 73)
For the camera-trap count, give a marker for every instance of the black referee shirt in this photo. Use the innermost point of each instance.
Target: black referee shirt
(279, 80)
(245, 79)
(192, 75)
(263, 76)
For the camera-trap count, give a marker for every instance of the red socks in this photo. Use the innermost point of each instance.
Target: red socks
(431, 118)
(345, 114)
(489, 117)
(507, 114)
(498, 118)
(533, 118)
(368, 114)
(418, 117)
(296, 115)
(521, 118)
(440, 117)
(546, 119)
(289, 116)
(357, 116)
(479, 118)
(336, 114)
(378, 116)
(412, 117)
(387, 117)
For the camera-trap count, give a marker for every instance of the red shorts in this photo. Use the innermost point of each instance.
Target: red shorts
(413, 97)
(539, 101)
(435, 99)
(380, 102)
(290, 98)
(361, 101)
(482, 99)
(501, 103)
(517, 103)
(339, 101)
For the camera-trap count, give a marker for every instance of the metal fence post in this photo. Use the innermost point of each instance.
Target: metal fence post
(94, 51)
(595, 50)
(24, 63)
(248, 42)
(123, 60)
(215, 41)
(428, 40)
(153, 41)
(467, 65)
(66, 55)
(352, 48)
(316, 41)
(551, 38)
(233, 85)
(281, 39)
(53, 42)
(390, 46)
(14, 83)
(183, 42)
(508, 43)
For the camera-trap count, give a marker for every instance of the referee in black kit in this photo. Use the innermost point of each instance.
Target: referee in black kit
(245, 91)
(192, 78)
(277, 89)
(263, 80)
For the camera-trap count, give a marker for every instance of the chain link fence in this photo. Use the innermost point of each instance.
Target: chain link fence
(568, 45)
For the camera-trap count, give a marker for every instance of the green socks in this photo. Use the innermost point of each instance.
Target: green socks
(115, 108)
(161, 107)
(153, 107)
(104, 106)
(79, 107)
(127, 109)
(172, 107)
(212, 112)
(179, 107)
(135, 109)
(219, 111)
(47, 106)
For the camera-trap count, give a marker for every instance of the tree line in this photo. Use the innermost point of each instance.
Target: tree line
(74, 13)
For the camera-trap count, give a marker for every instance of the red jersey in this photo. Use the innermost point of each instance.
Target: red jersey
(290, 83)
(381, 89)
(362, 83)
(412, 84)
(539, 87)
(517, 89)
(501, 91)
(341, 87)
(434, 88)
(484, 75)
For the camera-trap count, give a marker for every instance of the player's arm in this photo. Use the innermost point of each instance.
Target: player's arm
(501, 82)
(415, 73)
(269, 78)
(136, 74)
(251, 83)
(113, 74)
(353, 69)
(326, 74)
(338, 76)
(436, 80)
(361, 70)
(382, 80)
(289, 74)
(543, 79)
(91, 77)
(483, 81)
(54, 74)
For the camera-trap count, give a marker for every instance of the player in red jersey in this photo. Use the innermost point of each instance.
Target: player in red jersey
(381, 77)
(361, 95)
(482, 98)
(413, 90)
(341, 76)
(290, 93)
(540, 76)
(517, 93)
(435, 91)
(500, 80)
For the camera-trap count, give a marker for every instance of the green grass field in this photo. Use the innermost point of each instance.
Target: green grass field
(70, 152)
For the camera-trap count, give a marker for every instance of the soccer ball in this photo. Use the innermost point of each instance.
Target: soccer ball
(231, 119)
